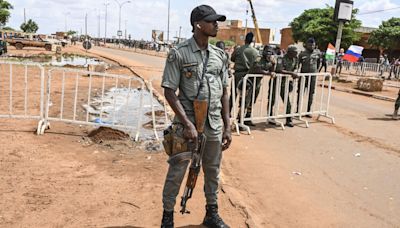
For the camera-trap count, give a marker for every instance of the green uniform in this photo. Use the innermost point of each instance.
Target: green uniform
(309, 64)
(244, 58)
(263, 64)
(397, 104)
(287, 64)
(184, 71)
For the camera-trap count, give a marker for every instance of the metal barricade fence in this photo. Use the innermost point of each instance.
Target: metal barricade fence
(96, 99)
(233, 104)
(21, 90)
(155, 125)
(280, 96)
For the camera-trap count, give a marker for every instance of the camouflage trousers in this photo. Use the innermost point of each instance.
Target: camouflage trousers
(211, 168)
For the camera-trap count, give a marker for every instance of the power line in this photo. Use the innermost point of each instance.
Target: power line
(377, 11)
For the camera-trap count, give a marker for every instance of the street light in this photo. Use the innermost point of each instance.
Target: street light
(66, 27)
(105, 23)
(119, 33)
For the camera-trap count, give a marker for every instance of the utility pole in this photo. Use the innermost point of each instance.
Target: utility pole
(85, 26)
(105, 23)
(98, 26)
(24, 16)
(66, 24)
(169, 8)
(179, 38)
(247, 14)
(119, 33)
(125, 28)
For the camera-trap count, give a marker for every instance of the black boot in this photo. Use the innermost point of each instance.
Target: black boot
(289, 122)
(212, 219)
(167, 219)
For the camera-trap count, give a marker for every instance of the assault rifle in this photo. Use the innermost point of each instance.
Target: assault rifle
(197, 148)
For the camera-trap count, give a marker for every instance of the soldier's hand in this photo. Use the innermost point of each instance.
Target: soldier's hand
(190, 132)
(226, 139)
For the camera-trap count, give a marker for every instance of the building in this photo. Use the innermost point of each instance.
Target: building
(233, 30)
(286, 38)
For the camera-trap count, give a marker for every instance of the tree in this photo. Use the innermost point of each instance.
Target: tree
(8, 28)
(5, 8)
(387, 36)
(30, 26)
(319, 24)
(71, 33)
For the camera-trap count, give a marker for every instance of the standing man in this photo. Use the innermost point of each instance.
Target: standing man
(309, 64)
(244, 59)
(285, 65)
(323, 62)
(396, 107)
(264, 64)
(339, 61)
(198, 70)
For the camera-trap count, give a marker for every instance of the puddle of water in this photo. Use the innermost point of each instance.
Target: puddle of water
(121, 106)
(60, 61)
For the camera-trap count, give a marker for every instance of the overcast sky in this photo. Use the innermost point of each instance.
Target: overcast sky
(141, 16)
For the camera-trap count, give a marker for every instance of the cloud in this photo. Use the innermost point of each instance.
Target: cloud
(376, 5)
(143, 16)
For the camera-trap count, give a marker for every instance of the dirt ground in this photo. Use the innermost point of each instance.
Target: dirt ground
(65, 179)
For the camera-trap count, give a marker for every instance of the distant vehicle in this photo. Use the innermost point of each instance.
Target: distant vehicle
(3, 47)
(20, 43)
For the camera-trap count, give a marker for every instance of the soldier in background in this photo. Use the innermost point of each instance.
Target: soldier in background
(264, 64)
(244, 58)
(285, 65)
(308, 60)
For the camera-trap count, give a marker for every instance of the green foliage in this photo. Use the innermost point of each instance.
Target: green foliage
(5, 8)
(228, 43)
(30, 26)
(213, 41)
(388, 34)
(71, 33)
(8, 28)
(319, 24)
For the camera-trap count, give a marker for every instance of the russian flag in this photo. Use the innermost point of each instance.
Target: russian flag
(353, 53)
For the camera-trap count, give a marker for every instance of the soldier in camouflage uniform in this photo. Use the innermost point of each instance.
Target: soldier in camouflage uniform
(264, 64)
(396, 107)
(308, 60)
(198, 70)
(244, 58)
(285, 65)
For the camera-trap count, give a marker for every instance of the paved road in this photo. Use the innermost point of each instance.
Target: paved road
(343, 175)
(143, 59)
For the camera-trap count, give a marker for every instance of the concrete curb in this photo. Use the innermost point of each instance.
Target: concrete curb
(375, 96)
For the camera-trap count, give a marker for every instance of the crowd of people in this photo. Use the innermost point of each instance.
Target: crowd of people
(247, 59)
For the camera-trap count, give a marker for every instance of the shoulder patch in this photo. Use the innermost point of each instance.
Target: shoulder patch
(172, 55)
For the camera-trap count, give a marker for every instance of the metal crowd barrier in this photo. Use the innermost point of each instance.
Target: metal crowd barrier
(279, 86)
(233, 103)
(94, 99)
(367, 69)
(21, 90)
(153, 112)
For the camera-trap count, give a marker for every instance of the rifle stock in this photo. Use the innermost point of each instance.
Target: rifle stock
(200, 112)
